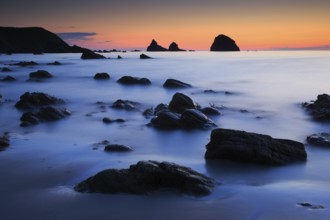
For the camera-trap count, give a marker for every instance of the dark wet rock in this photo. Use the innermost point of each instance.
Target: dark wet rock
(148, 112)
(155, 47)
(107, 120)
(174, 47)
(192, 118)
(55, 63)
(311, 206)
(25, 63)
(4, 141)
(167, 120)
(161, 107)
(101, 76)
(8, 79)
(181, 102)
(149, 176)
(126, 105)
(224, 43)
(5, 69)
(117, 148)
(173, 83)
(119, 57)
(45, 114)
(129, 80)
(40, 74)
(321, 139)
(319, 109)
(91, 55)
(143, 56)
(36, 99)
(243, 146)
(210, 111)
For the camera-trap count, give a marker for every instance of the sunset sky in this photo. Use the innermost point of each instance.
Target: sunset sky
(193, 24)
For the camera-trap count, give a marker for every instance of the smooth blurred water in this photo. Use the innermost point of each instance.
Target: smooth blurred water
(258, 91)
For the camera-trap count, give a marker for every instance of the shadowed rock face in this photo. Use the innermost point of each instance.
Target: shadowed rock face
(146, 177)
(155, 47)
(35, 100)
(174, 47)
(251, 147)
(224, 43)
(319, 109)
(33, 40)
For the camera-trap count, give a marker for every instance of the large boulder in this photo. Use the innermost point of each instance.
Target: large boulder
(167, 120)
(180, 102)
(155, 47)
(244, 146)
(173, 83)
(36, 99)
(146, 177)
(130, 80)
(319, 109)
(224, 43)
(91, 55)
(174, 47)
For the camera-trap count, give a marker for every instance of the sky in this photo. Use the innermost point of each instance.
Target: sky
(192, 24)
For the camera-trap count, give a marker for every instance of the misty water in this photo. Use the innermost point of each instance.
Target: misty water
(257, 92)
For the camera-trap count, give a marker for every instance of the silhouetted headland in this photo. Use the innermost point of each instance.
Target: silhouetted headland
(155, 47)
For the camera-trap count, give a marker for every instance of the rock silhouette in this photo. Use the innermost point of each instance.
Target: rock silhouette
(155, 47)
(320, 108)
(174, 47)
(224, 43)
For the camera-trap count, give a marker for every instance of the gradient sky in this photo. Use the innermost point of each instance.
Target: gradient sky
(193, 24)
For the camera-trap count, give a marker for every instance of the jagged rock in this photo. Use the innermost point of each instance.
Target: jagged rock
(40, 74)
(91, 55)
(181, 102)
(5, 69)
(4, 141)
(36, 99)
(117, 148)
(174, 47)
(143, 56)
(224, 43)
(243, 146)
(167, 120)
(109, 121)
(129, 80)
(25, 63)
(101, 76)
(155, 47)
(146, 177)
(321, 139)
(192, 118)
(55, 63)
(173, 83)
(45, 114)
(126, 105)
(319, 109)
(8, 79)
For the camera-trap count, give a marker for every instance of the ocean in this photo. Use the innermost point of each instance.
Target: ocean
(255, 91)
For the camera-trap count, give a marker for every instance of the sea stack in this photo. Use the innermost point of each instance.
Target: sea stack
(155, 47)
(174, 47)
(224, 43)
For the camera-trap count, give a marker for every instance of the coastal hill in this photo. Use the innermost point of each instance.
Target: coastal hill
(33, 40)
(224, 43)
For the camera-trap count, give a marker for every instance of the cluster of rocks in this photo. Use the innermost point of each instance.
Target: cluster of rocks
(146, 177)
(39, 107)
(320, 108)
(154, 46)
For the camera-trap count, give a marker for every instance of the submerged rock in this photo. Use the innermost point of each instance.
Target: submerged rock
(36, 99)
(155, 47)
(25, 63)
(143, 56)
(210, 111)
(5, 69)
(321, 139)
(224, 43)
(319, 109)
(55, 63)
(88, 54)
(243, 146)
(117, 148)
(40, 74)
(173, 83)
(129, 80)
(101, 76)
(109, 121)
(181, 102)
(126, 105)
(146, 177)
(8, 79)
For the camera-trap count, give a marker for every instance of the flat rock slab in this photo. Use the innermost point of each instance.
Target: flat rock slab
(321, 139)
(255, 148)
(146, 177)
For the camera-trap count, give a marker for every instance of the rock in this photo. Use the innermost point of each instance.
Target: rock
(109, 121)
(192, 118)
(143, 56)
(321, 139)
(36, 99)
(32, 40)
(117, 148)
(43, 115)
(174, 47)
(210, 111)
(126, 105)
(319, 109)
(224, 43)
(161, 107)
(181, 102)
(4, 141)
(119, 57)
(146, 177)
(129, 80)
(25, 63)
(173, 83)
(5, 69)
(91, 55)
(311, 206)
(155, 47)
(101, 76)
(55, 63)
(8, 79)
(167, 120)
(243, 146)
(40, 74)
